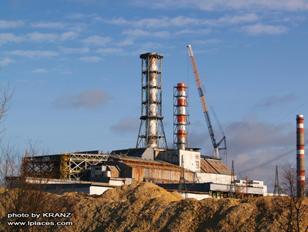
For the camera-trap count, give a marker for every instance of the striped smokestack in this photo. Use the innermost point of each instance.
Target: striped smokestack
(180, 116)
(300, 155)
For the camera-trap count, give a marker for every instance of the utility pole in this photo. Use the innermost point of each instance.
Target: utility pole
(182, 184)
(232, 185)
(276, 186)
(246, 185)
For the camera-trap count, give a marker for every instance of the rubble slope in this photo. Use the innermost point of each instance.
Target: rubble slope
(147, 207)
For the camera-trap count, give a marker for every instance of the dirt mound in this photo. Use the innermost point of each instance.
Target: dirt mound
(147, 207)
(142, 191)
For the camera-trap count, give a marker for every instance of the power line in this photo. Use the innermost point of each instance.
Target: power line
(271, 160)
(268, 161)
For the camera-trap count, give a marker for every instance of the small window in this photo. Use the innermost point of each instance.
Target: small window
(197, 164)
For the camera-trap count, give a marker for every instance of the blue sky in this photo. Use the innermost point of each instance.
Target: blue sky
(74, 68)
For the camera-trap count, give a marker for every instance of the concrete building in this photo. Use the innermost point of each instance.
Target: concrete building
(94, 172)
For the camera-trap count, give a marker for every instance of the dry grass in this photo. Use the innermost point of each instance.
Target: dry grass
(147, 207)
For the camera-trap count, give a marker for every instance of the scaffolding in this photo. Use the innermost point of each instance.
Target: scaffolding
(64, 166)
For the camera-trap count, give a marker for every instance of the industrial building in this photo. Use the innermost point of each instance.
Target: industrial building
(151, 160)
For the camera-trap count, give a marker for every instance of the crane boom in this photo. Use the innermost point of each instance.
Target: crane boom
(203, 103)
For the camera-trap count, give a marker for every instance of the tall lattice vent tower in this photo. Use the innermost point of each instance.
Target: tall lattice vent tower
(151, 130)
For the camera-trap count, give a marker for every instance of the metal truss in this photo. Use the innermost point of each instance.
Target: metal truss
(64, 166)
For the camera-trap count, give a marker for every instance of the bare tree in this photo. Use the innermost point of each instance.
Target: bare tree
(294, 207)
(289, 180)
(9, 163)
(27, 195)
(19, 195)
(7, 160)
(5, 96)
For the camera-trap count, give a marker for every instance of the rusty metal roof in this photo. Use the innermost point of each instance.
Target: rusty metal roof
(138, 161)
(135, 152)
(214, 166)
(206, 167)
(158, 164)
(220, 166)
(112, 168)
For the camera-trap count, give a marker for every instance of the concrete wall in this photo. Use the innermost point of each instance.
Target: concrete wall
(171, 156)
(97, 190)
(118, 181)
(81, 188)
(148, 154)
(190, 160)
(211, 177)
(196, 196)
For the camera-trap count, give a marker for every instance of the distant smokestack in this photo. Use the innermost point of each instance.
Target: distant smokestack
(180, 115)
(300, 155)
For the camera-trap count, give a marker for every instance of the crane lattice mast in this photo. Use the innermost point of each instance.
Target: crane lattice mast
(205, 110)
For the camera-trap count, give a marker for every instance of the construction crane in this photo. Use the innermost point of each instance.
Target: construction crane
(221, 144)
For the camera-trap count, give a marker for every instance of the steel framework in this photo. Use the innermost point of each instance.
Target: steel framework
(64, 166)
(151, 131)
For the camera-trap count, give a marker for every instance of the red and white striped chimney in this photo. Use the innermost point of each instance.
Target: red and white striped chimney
(300, 143)
(180, 116)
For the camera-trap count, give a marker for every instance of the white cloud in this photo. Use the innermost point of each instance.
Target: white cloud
(254, 145)
(97, 40)
(125, 42)
(182, 22)
(40, 71)
(69, 35)
(250, 136)
(9, 38)
(91, 59)
(49, 25)
(182, 25)
(207, 41)
(109, 50)
(193, 32)
(72, 50)
(144, 47)
(67, 72)
(218, 5)
(6, 24)
(34, 53)
(5, 62)
(39, 37)
(78, 16)
(57, 25)
(178, 21)
(143, 33)
(90, 99)
(276, 101)
(125, 125)
(51, 37)
(259, 29)
(235, 19)
(88, 2)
